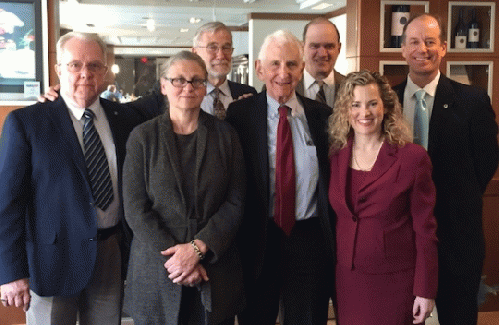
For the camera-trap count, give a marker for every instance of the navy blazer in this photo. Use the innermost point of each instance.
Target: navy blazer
(47, 218)
(462, 145)
(249, 118)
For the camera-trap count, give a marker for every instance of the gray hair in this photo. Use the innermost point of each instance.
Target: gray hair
(280, 37)
(182, 56)
(83, 36)
(210, 27)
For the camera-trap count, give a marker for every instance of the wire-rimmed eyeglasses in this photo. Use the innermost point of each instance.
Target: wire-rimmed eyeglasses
(182, 82)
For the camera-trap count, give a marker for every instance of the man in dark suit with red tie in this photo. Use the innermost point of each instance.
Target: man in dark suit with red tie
(461, 139)
(285, 239)
(61, 216)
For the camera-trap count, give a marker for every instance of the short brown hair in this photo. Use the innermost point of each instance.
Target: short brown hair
(317, 21)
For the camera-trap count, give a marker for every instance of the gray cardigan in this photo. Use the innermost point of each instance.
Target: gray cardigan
(156, 212)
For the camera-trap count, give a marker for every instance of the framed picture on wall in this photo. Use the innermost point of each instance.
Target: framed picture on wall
(23, 71)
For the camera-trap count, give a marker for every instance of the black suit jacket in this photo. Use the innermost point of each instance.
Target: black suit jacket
(47, 214)
(155, 104)
(249, 117)
(462, 145)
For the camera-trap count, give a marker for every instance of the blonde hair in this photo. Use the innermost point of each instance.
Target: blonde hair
(395, 127)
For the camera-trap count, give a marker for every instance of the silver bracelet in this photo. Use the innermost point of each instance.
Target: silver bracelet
(197, 250)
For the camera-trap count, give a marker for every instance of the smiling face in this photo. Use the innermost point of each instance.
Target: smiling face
(367, 110)
(187, 97)
(422, 49)
(218, 64)
(84, 86)
(280, 70)
(321, 49)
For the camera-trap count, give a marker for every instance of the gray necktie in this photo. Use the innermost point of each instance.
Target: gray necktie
(421, 119)
(218, 106)
(96, 162)
(321, 94)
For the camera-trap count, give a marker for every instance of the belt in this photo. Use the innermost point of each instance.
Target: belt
(103, 234)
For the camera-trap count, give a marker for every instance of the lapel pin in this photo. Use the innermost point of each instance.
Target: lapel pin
(446, 106)
(115, 113)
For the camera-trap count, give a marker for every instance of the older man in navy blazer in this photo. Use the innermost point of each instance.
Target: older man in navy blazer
(462, 145)
(294, 265)
(59, 241)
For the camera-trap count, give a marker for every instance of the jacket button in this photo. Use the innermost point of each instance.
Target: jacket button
(354, 219)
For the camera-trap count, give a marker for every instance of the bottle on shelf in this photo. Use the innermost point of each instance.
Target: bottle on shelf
(461, 32)
(400, 16)
(473, 31)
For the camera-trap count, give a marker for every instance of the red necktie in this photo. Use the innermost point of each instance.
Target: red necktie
(284, 174)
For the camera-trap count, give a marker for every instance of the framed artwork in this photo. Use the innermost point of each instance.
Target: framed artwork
(23, 71)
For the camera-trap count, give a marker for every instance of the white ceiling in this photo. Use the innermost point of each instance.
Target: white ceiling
(123, 22)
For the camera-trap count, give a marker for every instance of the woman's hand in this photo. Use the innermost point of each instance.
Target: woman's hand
(197, 276)
(422, 309)
(183, 260)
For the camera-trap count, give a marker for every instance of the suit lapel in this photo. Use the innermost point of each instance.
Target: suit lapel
(300, 88)
(259, 122)
(444, 99)
(64, 124)
(386, 158)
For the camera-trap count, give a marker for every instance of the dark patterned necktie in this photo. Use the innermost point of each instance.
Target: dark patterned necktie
(321, 94)
(218, 106)
(97, 165)
(284, 175)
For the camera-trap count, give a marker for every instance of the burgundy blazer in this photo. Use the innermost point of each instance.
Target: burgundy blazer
(391, 226)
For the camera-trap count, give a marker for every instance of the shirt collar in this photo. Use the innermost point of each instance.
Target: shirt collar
(224, 88)
(430, 88)
(78, 111)
(309, 81)
(293, 103)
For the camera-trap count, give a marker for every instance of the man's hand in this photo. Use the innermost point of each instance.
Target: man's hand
(244, 96)
(16, 293)
(51, 95)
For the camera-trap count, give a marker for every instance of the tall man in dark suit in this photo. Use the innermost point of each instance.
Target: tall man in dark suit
(61, 206)
(321, 49)
(283, 262)
(461, 139)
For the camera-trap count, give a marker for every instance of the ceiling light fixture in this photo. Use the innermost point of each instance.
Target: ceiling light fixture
(151, 25)
(322, 6)
(184, 30)
(115, 69)
(194, 20)
(307, 3)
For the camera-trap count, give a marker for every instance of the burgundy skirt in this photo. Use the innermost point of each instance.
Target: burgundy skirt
(372, 299)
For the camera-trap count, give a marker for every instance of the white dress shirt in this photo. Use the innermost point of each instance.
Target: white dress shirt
(225, 97)
(305, 156)
(311, 87)
(108, 218)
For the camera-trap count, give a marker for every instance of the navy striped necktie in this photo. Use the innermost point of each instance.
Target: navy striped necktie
(96, 162)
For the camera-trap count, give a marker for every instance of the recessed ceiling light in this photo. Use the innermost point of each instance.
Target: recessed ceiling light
(151, 25)
(184, 30)
(194, 20)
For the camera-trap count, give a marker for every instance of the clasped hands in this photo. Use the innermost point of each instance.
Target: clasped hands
(184, 266)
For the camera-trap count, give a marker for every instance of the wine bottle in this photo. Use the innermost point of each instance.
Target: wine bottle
(400, 16)
(473, 31)
(461, 32)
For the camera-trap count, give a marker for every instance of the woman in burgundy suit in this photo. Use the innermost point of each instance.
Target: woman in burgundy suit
(382, 192)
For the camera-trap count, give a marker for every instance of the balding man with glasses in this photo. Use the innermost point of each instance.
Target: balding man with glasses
(61, 215)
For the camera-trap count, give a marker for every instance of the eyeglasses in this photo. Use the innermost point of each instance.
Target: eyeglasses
(182, 82)
(76, 66)
(213, 49)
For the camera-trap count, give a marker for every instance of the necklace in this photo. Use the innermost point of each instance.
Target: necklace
(371, 164)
